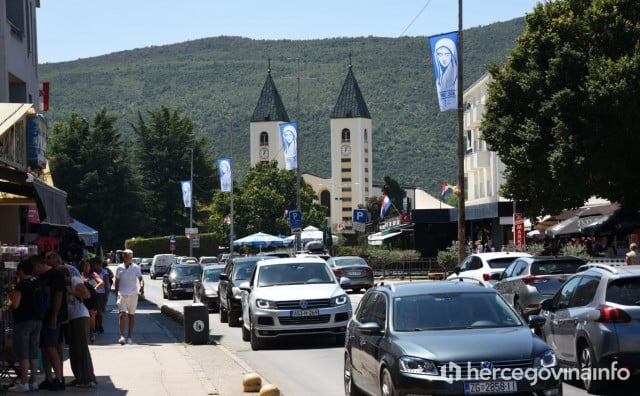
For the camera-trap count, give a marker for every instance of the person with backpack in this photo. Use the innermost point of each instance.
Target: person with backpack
(93, 282)
(26, 304)
(79, 354)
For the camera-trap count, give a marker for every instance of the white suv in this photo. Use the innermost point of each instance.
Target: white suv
(485, 266)
(293, 296)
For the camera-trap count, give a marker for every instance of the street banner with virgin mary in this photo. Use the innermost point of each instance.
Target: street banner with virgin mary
(444, 54)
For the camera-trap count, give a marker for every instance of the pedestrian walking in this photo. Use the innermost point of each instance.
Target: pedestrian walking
(103, 293)
(92, 278)
(53, 284)
(128, 276)
(632, 257)
(27, 310)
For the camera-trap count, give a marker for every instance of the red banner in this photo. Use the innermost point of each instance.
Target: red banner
(32, 215)
(44, 96)
(518, 229)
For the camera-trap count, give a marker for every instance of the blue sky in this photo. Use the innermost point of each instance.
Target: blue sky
(74, 29)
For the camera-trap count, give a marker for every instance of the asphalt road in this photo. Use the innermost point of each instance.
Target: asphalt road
(303, 366)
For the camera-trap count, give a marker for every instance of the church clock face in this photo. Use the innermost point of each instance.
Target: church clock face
(264, 153)
(346, 150)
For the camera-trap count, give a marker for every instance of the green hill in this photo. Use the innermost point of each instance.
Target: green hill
(218, 80)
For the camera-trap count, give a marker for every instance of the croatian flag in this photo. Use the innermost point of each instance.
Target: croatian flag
(384, 206)
(446, 189)
(285, 214)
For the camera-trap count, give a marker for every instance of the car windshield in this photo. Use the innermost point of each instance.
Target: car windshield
(294, 274)
(243, 270)
(502, 262)
(449, 311)
(345, 262)
(624, 291)
(555, 267)
(187, 270)
(212, 275)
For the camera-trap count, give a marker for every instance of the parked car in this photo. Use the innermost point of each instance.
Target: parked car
(529, 280)
(293, 296)
(485, 265)
(136, 260)
(205, 290)
(355, 268)
(145, 264)
(206, 260)
(160, 264)
(225, 257)
(593, 320)
(236, 271)
(178, 281)
(435, 337)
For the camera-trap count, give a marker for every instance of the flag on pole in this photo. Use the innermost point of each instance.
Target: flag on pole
(444, 54)
(384, 206)
(446, 189)
(289, 133)
(44, 96)
(224, 169)
(186, 193)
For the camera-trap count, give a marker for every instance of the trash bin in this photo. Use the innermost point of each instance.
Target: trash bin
(196, 324)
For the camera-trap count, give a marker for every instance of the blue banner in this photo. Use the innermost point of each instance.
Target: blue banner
(289, 132)
(444, 53)
(186, 193)
(224, 168)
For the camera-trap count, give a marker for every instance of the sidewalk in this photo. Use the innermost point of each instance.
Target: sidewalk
(158, 363)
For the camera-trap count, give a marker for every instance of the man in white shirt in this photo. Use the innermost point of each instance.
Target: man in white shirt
(126, 288)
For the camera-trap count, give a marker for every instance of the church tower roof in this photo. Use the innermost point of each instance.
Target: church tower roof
(270, 106)
(350, 103)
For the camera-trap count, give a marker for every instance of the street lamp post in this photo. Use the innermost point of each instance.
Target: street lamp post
(191, 208)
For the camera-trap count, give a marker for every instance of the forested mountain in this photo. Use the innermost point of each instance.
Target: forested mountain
(217, 81)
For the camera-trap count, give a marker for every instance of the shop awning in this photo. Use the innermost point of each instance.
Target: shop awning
(51, 201)
(575, 224)
(86, 234)
(621, 221)
(378, 237)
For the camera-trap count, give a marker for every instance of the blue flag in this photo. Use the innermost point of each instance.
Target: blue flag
(289, 132)
(444, 54)
(224, 169)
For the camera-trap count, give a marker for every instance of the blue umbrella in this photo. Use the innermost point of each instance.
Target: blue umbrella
(259, 240)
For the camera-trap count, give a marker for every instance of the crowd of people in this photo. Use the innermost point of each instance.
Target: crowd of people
(56, 303)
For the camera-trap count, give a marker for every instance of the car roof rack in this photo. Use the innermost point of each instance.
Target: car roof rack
(606, 267)
(388, 284)
(470, 279)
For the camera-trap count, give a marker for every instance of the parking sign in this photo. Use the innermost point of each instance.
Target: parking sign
(295, 219)
(359, 215)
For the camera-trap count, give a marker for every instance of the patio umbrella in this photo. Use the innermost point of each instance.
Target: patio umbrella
(259, 240)
(308, 234)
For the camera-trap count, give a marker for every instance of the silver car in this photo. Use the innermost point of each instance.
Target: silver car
(293, 296)
(593, 321)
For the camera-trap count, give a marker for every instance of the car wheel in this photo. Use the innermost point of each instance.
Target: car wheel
(234, 319)
(350, 388)
(589, 364)
(152, 275)
(246, 334)
(224, 315)
(164, 293)
(215, 307)
(518, 307)
(386, 384)
(256, 342)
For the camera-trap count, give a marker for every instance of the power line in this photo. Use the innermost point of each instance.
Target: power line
(416, 17)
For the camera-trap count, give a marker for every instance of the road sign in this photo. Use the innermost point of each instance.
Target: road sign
(195, 241)
(188, 231)
(172, 238)
(359, 216)
(295, 219)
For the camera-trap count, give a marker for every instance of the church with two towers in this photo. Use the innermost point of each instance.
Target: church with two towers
(351, 136)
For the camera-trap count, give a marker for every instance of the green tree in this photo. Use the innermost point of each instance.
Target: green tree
(260, 201)
(163, 152)
(89, 161)
(563, 113)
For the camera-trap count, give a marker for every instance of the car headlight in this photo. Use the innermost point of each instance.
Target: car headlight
(339, 300)
(174, 285)
(265, 304)
(415, 365)
(547, 359)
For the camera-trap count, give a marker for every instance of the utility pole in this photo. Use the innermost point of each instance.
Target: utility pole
(462, 240)
(191, 208)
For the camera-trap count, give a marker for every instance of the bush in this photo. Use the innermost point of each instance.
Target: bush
(577, 251)
(448, 259)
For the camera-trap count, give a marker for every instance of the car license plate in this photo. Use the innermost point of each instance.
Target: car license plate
(304, 312)
(188, 290)
(480, 388)
(354, 273)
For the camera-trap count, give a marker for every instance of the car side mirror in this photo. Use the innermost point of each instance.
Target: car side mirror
(457, 270)
(344, 281)
(370, 328)
(536, 321)
(224, 277)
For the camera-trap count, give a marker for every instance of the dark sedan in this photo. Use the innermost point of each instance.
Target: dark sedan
(355, 268)
(178, 281)
(453, 338)
(206, 288)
